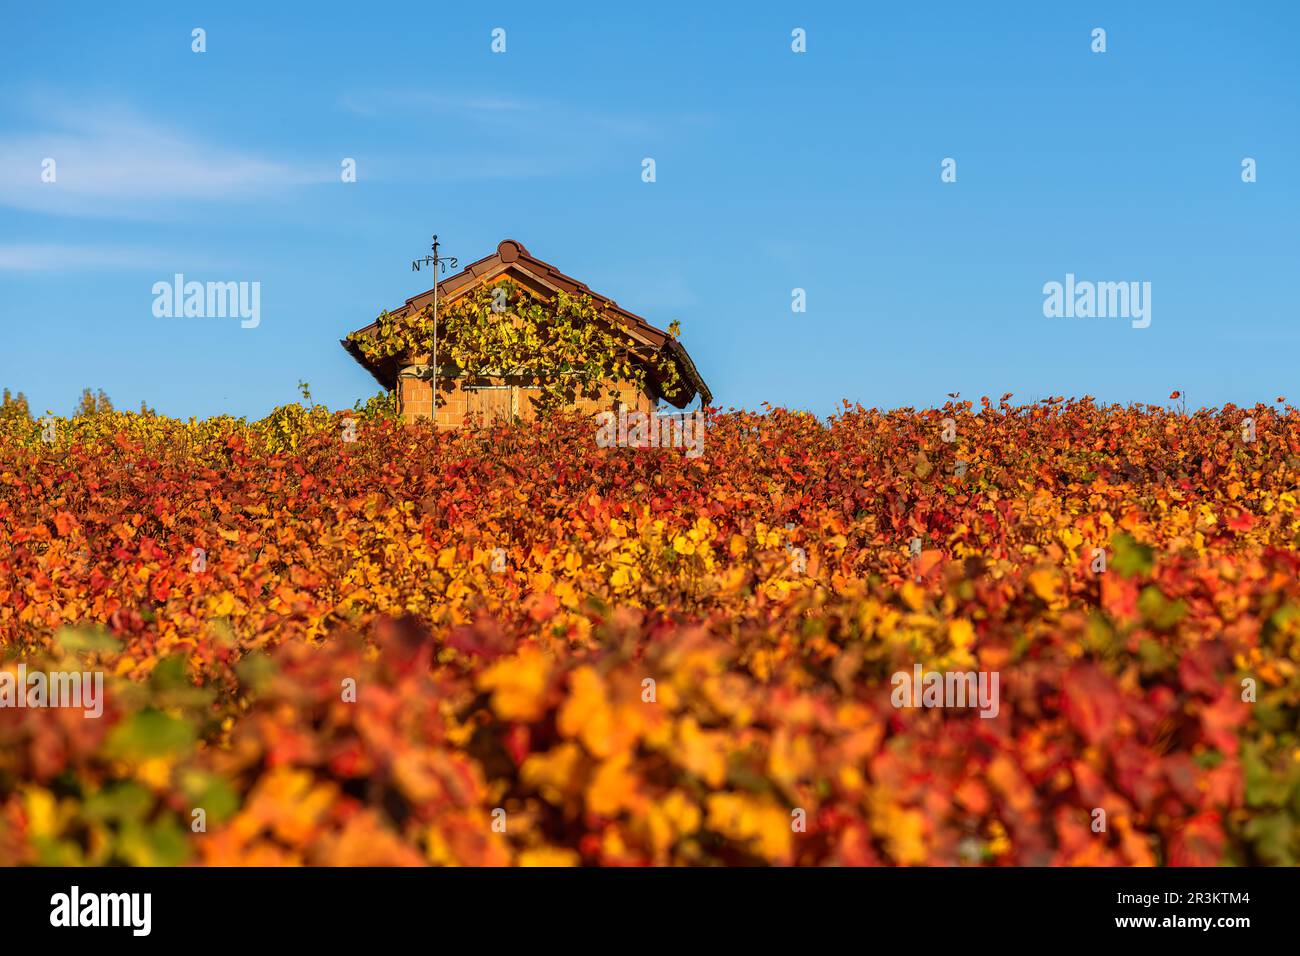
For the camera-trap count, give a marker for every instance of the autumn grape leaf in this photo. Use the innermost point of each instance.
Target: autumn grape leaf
(1131, 556)
(151, 733)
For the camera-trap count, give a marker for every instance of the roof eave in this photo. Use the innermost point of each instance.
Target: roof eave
(376, 370)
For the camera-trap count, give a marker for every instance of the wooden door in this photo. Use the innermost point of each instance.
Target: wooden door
(488, 403)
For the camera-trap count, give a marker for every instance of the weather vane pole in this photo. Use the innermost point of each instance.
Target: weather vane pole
(439, 264)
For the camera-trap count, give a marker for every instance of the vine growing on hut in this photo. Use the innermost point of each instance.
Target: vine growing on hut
(567, 347)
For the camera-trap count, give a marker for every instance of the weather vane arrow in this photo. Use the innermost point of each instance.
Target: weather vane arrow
(439, 263)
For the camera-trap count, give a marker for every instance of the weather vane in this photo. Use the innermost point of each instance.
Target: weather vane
(440, 264)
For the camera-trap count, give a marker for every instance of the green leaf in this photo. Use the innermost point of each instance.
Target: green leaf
(52, 852)
(169, 674)
(1272, 836)
(161, 844)
(151, 733)
(1153, 656)
(1131, 556)
(1158, 610)
(210, 792)
(124, 801)
(1161, 612)
(255, 671)
(86, 640)
(1099, 637)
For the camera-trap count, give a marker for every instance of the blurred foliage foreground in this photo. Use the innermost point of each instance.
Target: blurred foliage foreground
(511, 646)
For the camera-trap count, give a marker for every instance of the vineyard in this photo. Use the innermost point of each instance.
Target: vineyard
(330, 639)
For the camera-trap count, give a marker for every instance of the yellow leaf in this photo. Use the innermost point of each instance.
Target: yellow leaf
(40, 807)
(605, 726)
(613, 788)
(222, 605)
(703, 753)
(743, 818)
(1046, 583)
(518, 684)
(905, 836)
(554, 773)
(549, 856)
(961, 633)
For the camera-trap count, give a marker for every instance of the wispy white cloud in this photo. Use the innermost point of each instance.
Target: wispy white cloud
(64, 257)
(374, 104)
(111, 161)
(499, 137)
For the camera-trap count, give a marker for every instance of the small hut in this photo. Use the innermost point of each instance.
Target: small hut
(484, 397)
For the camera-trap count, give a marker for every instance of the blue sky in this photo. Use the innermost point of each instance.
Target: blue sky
(775, 171)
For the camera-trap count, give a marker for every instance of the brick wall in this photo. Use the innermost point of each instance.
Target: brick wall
(414, 398)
